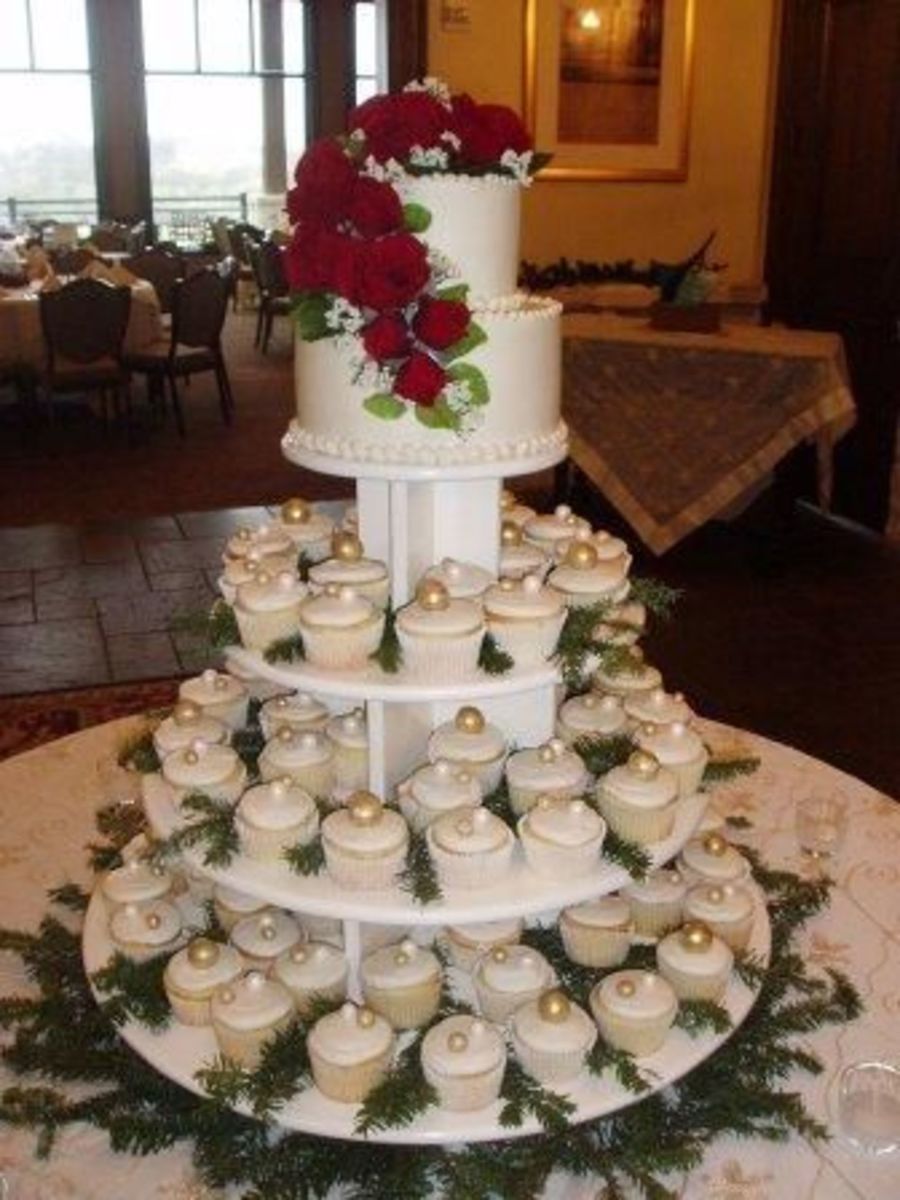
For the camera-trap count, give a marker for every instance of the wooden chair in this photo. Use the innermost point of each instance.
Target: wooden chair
(240, 235)
(272, 285)
(199, 304)
(160, 268)
(69, 261)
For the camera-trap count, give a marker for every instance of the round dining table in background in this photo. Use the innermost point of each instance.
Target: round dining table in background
(48, 798)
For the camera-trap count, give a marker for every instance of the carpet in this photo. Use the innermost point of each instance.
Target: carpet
(30, 721)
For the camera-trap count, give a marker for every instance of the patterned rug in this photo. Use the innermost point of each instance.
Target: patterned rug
(29, 721)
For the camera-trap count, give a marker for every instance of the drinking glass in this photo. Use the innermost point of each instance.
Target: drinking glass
(821, 823)
(869, 1107)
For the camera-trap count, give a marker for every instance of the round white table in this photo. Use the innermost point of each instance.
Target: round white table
(47, 801)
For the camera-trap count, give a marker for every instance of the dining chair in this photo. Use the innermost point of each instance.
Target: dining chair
(274, 293)
(199, 304)
(242, 234)
(162, 269)
(70, 260)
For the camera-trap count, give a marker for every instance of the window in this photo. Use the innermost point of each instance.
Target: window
(47, 144)
(369, 70)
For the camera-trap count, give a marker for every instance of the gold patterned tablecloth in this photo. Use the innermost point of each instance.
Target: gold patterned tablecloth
(47, 801)
(674, 427)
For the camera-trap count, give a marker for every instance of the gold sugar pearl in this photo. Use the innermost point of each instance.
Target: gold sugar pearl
(715, 895)
(226, 996)
(401, 958)
(186, 712)
(203, 953)
(153, 920)
(499, 954)
(221, 683)
(643, 763)
(715, 844)
(696, 937)
(364, 808)
(432, 595)
(626, 987)
(507, 585)
(581, 555)
(332, 590)
(263, 577)
(365, 1018)
(158, 870)
(510, 534)
(457, 1042)
(295, 511)
(554, 1006)
(346, 546)
(267, 930)
(546, 754)
(285, 735)
(470, 719)
(299, 954)
(191, 757)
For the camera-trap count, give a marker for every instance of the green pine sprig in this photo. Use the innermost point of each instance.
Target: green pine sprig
(248, 743)
(216, 629)
(491, 659)
(70, 896)
(723, 770)
(134, 990)
(523, 1096)
(577, 642)
(697, 1017)
(601, 754)
(307, 858)
(738, 822)
(419, 877)
(138, 753)
(628, 1074)
(389, 655)
(498, 803)
(304, 562)
(287, 649)
(401, 1097)
(634, 858)
(117, 824)
(209, 826)
(657, 597)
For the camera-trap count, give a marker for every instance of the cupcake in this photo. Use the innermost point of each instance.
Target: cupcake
(467, 943)
(231, 906)
(247, 1013)
(469, 741)
(463, 580)
(238, 571)
(440, 638)
(349, 735)
(262, 938)
(142, 931)
(297, 711)
(710, 859)
(583, 578)
(597, 933)
(266, 541)
(308, 758)
(630, 678)
(272, 817)
(215, 771)
(549, 529)
(695, 962)
(639, 799)
(525, 619)
(509, 976)
(470, 848)
(308, 530)
(313, 973)
(365, 843)
(341, 629)
(678, 748)
(267, 609)
(590, 716)
(464, 1059)
(512, 510)
(137, 881)
(348, 567)
(192, 976)
(562, 839)
(550, 770)
(350, 1053)
(656, 902)
(188, 723)
(634, 1010)
(435, 789)
(403, 984)
(726, 909)
(622, 624)
(219, 694)
(658, 707)
(552, 1037)
(519, 558)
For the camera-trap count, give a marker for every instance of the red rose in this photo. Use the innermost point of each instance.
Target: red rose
(320, 260)
(486, 130)
(374, 208)
(393, 270)
(386, 337)
(420, 379)
(324, 182)
(440, 323)
(394, 124)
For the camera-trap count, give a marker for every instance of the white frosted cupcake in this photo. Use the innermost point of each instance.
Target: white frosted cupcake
(464, 1059)
(261, 939)
(639, 799)
(349, 734)
(634, 1010)
(590, 716)
(550, 770)
(142, 931)
(188, 723)
(519, 558)
(463, 580)
(470, 848)
(215, 771)
(238, 571)
(231, 906)
(696, 963)
(467, 943)
(403, 984)
(680, 749)
(265, 541)
(312, 973)
(725, 908)
(512, 510)
(509, 976)
(552, 1037)
(549, 529)
(341, 629)
(192, 976)
(298, 711)
(219, 694)
(137, 881)
(350, 1053)
(365, 843)
(562, 839)
(469, 741)
(658, 707)
(267, 609)
(630, 678)
(308, 529)
(711, 859)
(525, 619)
(308, 758)
(247, 1013)
(440, 638)
(435, 789)
(583, 578)
(656, 902)
(597, 933)
(272, 817)
(349, 567)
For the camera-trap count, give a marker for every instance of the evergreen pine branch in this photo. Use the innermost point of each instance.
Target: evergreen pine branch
(401, 1097)
(498, 803)
(749, 968)
(697, 1017)
(640, 957)
(224, 1081)
(306, 859)
(604, 1057)
(657, 597)
(70, 896)
(419, 877)
(248, 742)
(601, 754)
(738, 822)
(618, 660)
(389, 655)
(634, 858)
(578, 641)
(723, 770)
(304, 562)
(135, 990)
(216, 629)
(491, 659)
(209, 826)
(523, 1096)
(118, 824)
(287, 649)
(138, 753)
(282, 1070)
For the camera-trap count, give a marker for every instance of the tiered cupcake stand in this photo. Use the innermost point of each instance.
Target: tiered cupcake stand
(412, 518)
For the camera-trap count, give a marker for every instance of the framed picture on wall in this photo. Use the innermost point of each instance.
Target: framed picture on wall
(608, 86)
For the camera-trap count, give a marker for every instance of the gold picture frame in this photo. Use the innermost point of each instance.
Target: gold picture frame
(608, 87)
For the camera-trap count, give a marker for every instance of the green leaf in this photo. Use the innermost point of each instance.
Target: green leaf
(474, 336)
(478, 385)
(539, 160)
(416, 217)
(439, 416)
(309, 314)
(384, 406)
(453, 291)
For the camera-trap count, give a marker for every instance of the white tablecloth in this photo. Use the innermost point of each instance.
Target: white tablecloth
(47, 801)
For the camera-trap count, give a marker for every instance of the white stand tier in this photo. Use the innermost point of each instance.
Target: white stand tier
(181, 1050)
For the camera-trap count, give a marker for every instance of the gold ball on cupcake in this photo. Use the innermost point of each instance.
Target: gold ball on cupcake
(263, 577)
(401, 958)
(191, 757)
(581, 555)
(299, 954)
(226, 996)
(554, 1006)
(715, 844)
(185, 712)
(499, 954)
(626, 987)
(432, 595)
(470, 719)
(546, 754)
(510, 534)
(285, 735)
(346, 546)
(643, 763)
(203, 953)
(365, 1018)
(507, 585)
(715, 895)
(295, 511)
(364, 808)
(696, 937)
(457, 1042)
(153, 920)
(267, 929)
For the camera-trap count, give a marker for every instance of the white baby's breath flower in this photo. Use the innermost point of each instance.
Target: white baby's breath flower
(518, 165)
(388, 172)
(344, 317)
(433, 158)
(451, 139)
(433, 86)
(470, 422)
(441, 267)
(458, 395)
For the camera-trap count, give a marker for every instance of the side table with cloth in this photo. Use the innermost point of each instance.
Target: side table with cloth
(47, 802)
(674, 427)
